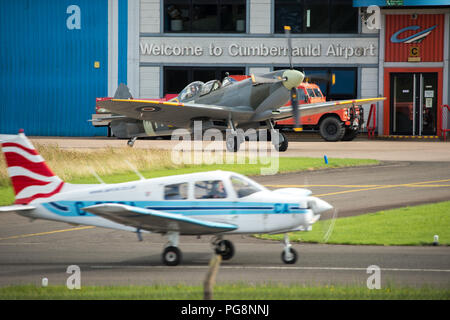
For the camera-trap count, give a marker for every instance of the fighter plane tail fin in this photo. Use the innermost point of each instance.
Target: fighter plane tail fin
(123, 92)
(30, 176)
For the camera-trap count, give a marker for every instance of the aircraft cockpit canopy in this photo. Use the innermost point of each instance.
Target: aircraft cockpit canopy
(191, 90)
(210, 86)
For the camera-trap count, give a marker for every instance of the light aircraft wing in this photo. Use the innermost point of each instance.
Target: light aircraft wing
(16, 208)
(157, 221)
(319, 107)
(172, 112)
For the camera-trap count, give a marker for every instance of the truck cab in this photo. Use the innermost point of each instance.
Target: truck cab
(343, 124)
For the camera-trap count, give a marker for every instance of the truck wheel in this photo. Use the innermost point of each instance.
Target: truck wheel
(332, 129)
(350, 134)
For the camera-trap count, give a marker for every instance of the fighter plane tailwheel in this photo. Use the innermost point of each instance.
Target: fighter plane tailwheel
(226, 249)
(171, 256)
(282, 146)
(131, 142)
(233, 143)
(289, 256)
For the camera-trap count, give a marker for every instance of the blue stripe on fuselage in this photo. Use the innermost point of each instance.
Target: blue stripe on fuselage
(187, 208)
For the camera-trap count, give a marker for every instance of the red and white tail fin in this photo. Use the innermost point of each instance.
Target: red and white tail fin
(31, 177)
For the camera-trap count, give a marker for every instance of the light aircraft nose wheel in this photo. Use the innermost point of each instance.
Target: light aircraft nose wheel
(289, 257)
(233, 143)
(225, 248)
(131, 142)
(171, 256)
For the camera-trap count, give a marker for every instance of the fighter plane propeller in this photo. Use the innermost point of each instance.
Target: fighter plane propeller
(252, 103)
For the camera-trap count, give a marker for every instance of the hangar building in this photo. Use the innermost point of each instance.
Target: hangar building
(57, 56)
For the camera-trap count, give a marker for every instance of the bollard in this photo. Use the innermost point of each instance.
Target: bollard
(208, 285)
(436, 240)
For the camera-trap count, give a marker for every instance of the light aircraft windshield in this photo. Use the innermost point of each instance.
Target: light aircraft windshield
(244, 187)
(190, 91)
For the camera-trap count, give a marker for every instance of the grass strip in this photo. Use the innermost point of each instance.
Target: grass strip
(237, 291)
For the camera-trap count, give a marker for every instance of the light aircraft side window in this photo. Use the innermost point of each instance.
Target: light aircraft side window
(242, 187)
(177, 191)
(211, 189)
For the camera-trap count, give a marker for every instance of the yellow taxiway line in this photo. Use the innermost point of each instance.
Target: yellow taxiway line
(46, 233)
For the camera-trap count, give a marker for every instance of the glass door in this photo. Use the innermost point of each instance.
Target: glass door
(402, 103)
(413, 103)
(428, 103)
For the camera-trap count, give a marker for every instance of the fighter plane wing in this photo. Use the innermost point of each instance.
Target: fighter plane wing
(157, 221)
(319, 107)
(173, 113)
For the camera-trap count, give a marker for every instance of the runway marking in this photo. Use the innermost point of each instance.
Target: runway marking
(46, 233)
(271, 268)
(368, 187)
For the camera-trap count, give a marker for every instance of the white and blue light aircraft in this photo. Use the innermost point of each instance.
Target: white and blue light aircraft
(214, 203)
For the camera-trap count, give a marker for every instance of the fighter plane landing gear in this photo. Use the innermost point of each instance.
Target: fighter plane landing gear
(224, 247)
(233, 140)
(280, 144)
(171, 255)
(289, 255)
(131, 142)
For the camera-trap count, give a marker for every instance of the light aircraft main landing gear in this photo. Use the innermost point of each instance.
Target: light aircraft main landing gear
(224, 247)
(171, 255)
(289, 255)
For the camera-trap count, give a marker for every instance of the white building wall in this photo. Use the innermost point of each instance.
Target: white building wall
(133, 47)
(260, 16)
(259, 70)
(150, 16)
(369, 87)
(149, 82)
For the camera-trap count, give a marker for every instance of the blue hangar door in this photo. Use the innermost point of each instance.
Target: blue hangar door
(53, 64)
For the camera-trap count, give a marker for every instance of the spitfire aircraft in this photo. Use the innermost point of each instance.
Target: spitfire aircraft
(215, 203)
(252, 103)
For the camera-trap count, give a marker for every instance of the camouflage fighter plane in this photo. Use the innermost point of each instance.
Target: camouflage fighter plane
(255, 102)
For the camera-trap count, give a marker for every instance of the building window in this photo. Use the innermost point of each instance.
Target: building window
(176, 78)
(316, 16)
(205, 16)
